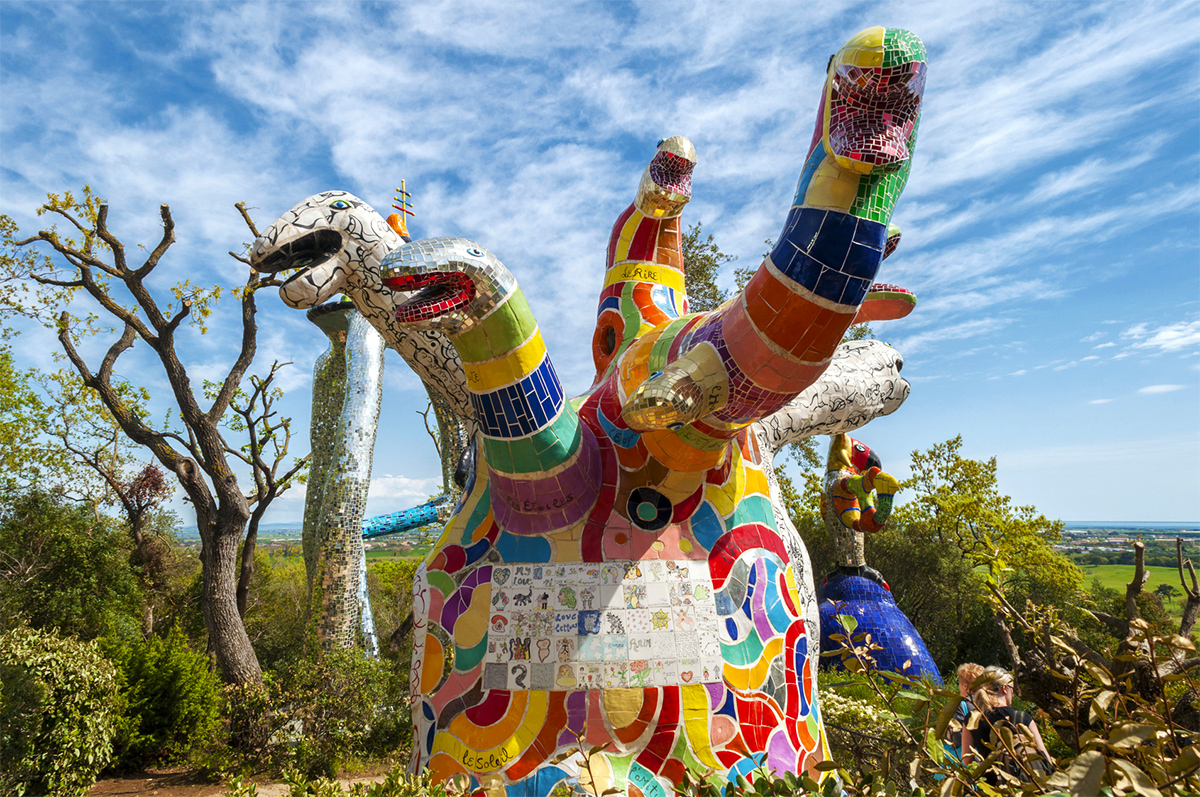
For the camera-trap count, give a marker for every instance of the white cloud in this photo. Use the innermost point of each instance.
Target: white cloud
(1155, 389)
(1021, 372)
(1101, 401)
(1108, 345)
(1168, 338)
(389, 487)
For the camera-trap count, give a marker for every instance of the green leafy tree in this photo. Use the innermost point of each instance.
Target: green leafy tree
(63, 567)
(957, 501)
(1166, 591)
(59, 708)
(91, 263)
(702, 262)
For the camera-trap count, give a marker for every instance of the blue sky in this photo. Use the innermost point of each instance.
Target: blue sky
(1050, 224)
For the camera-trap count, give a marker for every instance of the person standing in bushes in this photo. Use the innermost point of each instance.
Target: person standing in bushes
(981, 735)
(968, 673)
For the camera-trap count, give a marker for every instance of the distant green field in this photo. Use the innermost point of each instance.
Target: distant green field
(420, 551)
(1117, 576)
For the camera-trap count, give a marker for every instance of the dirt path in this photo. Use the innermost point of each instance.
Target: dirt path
(181, 783)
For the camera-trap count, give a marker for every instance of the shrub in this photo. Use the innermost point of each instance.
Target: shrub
(59, 707)
(349, 707)
(322, 716)
(277, 610)
(397, 784)
(172, 701)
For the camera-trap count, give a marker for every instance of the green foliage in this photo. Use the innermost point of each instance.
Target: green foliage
(172, 701)
(397, 783)
(276, 611)
(349, 707)
(958, 501)
(390, 584)
(702, 261)
(318, 718)
(63, 566)
(59, 706)
(953, 523)
(24, 457)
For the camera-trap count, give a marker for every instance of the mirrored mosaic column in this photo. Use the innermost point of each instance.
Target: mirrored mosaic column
(347, 387)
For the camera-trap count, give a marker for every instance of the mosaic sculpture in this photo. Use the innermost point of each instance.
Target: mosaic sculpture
(615, 574)
(347, 386)
(857, 500)
(337, 242)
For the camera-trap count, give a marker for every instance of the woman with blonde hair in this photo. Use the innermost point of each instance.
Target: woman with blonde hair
(981, 735)
(968, 673)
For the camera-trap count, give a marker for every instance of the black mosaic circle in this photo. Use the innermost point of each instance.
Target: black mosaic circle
(649, 509)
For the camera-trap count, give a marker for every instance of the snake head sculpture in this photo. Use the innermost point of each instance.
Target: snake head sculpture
(325, 238)
(336, 242)
(448, 284)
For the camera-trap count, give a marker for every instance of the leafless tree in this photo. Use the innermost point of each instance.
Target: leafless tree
(198, 454)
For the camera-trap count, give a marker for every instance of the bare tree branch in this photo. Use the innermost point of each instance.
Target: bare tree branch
(1140, 576)
(1191, 607)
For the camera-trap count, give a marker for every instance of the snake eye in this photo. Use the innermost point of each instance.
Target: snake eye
(339, 204)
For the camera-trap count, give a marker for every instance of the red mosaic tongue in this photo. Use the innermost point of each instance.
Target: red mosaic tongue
(672, 172)
(440, 292)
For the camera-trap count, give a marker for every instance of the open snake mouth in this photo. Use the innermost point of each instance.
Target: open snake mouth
(303, 253)
(438, 293)
(874, 111)
(672, 172)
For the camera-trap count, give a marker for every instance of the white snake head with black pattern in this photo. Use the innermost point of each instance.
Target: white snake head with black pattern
(327, 237)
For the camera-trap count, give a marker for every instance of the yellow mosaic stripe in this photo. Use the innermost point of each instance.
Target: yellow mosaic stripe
(832, 188)
(642, 271)
(727, 496)
(494, 758)
(509, 368)
(695, 722)
(747, 678)
(626, 236)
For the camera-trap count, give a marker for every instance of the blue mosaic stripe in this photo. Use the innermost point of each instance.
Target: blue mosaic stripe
(610, 303)
(833, 254)
(404, 520)
(622, 438)
(815, 158)
(664, 299)
(521, 409)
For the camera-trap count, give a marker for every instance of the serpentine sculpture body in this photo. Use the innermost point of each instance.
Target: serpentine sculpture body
(618, 575)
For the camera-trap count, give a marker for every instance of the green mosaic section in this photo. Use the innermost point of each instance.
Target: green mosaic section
(540, 451)
(662, 347)
(465, 659)
(901, 47)
(632, 316)
(505, 328)
(441, 581)
(878, 191)
(753, 509)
